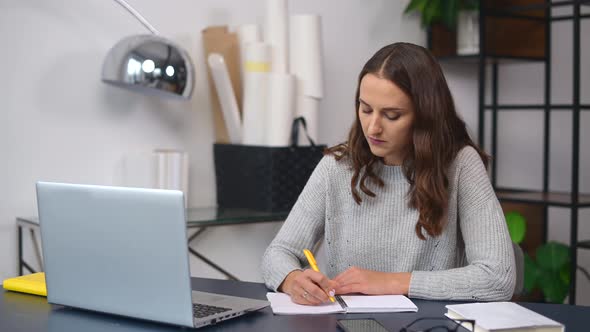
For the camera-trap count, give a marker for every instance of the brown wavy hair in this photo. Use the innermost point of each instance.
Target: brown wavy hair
(438, 134)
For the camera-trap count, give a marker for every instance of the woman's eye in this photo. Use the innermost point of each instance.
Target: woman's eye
(366, 111)
(393, 117)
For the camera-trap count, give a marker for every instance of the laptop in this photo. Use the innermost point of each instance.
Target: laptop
(124, 251)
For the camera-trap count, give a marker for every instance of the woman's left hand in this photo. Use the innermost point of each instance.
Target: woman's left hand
(357, 280)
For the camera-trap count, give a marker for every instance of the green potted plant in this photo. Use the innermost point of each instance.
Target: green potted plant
(550, 270)
(462, 15)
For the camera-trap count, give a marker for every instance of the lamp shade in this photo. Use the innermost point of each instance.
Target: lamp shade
(150, 64)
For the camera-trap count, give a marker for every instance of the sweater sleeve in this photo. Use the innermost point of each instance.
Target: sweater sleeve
(302, 229)
(490, 273)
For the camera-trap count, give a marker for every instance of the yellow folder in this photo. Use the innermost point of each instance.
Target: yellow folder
(31, 283)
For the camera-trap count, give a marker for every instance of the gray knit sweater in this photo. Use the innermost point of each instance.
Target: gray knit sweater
(472, 259)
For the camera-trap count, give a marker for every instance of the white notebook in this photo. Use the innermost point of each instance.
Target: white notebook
(502, 316)
(281, 304)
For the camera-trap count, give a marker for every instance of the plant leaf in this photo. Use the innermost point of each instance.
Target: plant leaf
(552, 256)
(449, 12)
(531, 273)
(431, 13)
(470, 4)
(564, 274)
(516, 226)
(415, 5)
(554, 289)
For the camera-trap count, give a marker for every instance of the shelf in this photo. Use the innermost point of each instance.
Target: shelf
(537, 107)
(527, 6)
(514, 31)
(568, 17)
(505, 37)
(538, 197)
(521, 28)
(530, 9)
(490, 58)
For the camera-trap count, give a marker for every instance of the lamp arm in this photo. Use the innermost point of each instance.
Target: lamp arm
(138, 16)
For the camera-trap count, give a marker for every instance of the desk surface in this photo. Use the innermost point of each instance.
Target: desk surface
(207, 216)
(22, 312)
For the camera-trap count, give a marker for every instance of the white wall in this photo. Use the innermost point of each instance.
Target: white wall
(59, 122)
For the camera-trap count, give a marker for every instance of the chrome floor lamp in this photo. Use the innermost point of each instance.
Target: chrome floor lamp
(149, 63)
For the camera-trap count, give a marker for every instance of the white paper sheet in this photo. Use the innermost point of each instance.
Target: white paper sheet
(378, 303)
(281, 304)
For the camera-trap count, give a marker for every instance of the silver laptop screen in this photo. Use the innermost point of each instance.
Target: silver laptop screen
(116, 250)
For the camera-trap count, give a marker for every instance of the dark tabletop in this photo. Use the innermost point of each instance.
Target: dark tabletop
(23, 312)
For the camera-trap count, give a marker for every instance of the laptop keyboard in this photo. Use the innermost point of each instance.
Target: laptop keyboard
(203, 310)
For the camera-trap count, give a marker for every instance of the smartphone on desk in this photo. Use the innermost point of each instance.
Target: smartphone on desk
(360, 325)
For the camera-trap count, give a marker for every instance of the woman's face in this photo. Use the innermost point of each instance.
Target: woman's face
(387, 115)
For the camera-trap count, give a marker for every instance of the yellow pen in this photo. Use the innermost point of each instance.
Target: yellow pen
(314, 266)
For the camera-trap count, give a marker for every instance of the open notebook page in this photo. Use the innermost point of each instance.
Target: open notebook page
(378, 303)
(281, 304)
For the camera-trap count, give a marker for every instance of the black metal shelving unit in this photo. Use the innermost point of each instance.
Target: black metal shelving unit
(574, 200)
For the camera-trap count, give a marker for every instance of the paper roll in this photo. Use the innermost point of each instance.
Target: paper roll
(257, 60)
(175, 168)
(281, 104)
(185, 173)
(276, 34)
(162, 170)
(172, 171)
(218, 39)
(247, 33)
(307, 107)
(257, 57)
(305, 53)
(227, 97)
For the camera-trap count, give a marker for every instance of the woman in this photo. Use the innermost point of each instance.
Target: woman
(405, 205)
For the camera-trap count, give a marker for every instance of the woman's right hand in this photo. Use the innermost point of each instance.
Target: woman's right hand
(308, 287)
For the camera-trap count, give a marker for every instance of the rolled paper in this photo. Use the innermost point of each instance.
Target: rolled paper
(305, 53)
(276, 34)
(281, 104)
(227, 97)
(172, 170)
(253, 66)
(162, 169)
(257, 59)
(247, 33)
(307, 107)
(184, 177)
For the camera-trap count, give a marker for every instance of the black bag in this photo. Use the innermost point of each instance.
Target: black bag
(264, 178)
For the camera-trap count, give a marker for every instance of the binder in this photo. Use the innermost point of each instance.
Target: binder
(31, 283)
